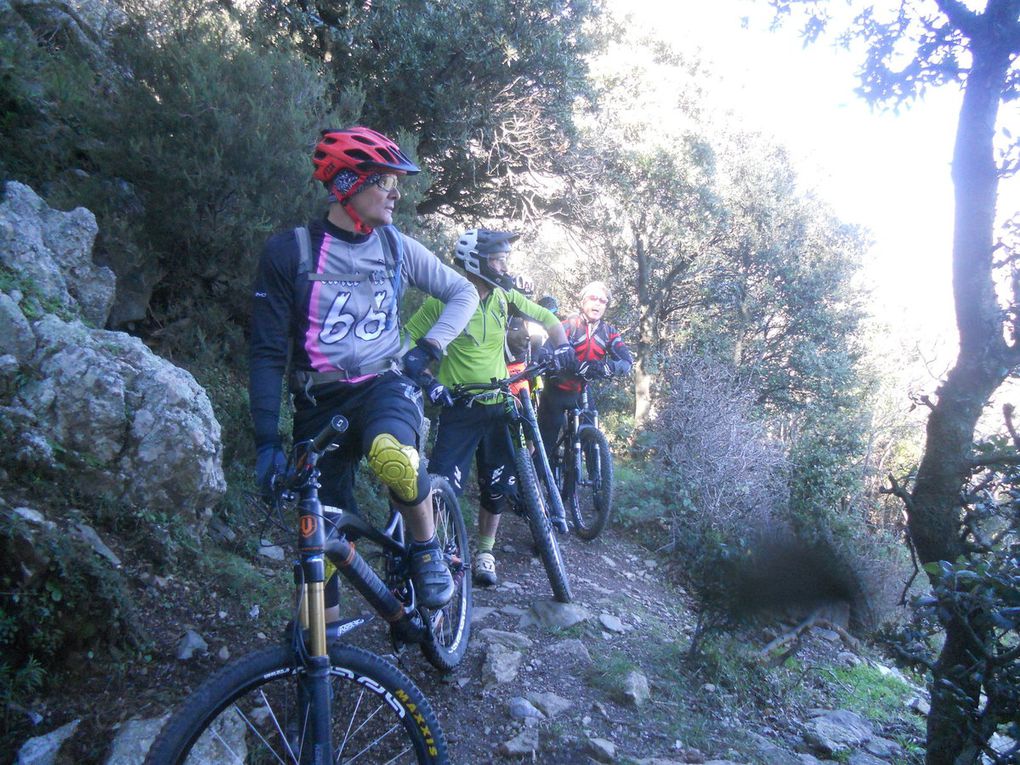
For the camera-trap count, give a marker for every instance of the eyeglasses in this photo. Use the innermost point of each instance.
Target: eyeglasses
(385, 181)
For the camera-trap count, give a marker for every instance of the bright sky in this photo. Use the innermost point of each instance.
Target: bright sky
(885, 171)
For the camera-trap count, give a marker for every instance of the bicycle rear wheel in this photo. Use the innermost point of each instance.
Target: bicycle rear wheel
(541, 529)
(451, 625)
(591, 492)
(249, 712)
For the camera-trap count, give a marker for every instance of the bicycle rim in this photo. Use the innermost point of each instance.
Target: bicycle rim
(541, 528)
(451, 625)
(251, 712)
(591, 499)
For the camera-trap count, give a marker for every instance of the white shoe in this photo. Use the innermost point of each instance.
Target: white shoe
(483, 570)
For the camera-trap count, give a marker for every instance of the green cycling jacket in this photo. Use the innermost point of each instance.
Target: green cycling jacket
(477, 354)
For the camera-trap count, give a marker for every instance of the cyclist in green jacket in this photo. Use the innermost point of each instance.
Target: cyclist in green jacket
(478, 355)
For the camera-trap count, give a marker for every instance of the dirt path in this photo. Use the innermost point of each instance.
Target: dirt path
(634, 621)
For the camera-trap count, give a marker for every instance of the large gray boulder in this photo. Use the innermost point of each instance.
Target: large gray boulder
(141, 430)
(118, 419)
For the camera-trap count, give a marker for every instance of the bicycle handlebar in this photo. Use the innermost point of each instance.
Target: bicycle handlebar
(532, 370)
(337, 426)
(302, 459)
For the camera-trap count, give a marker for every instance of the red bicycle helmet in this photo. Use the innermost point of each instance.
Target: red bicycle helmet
(359, 149)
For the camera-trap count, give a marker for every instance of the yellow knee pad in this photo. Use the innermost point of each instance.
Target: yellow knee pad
(396, 465)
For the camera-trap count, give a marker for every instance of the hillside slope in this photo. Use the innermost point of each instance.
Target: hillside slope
(614, 686)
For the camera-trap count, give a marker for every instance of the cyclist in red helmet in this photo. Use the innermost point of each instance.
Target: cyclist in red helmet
(326, 297)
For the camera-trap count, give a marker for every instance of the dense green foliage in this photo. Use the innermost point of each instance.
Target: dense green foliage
(980, 590)
(487, 87)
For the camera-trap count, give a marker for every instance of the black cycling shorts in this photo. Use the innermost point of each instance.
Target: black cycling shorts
(478, 430)
(389, 403)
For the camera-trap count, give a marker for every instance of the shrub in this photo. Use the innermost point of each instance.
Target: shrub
(212, 131)
(69, 600)
(706, 430)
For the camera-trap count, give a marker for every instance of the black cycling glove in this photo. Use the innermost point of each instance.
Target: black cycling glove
(417, 360)
(436, 392)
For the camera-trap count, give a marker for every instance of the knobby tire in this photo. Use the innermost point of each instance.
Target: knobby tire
(249, 712)
(541, 528)
(590, 494)
(451, 625)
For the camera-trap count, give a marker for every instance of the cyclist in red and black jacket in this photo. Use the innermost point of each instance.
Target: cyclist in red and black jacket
(600, 351)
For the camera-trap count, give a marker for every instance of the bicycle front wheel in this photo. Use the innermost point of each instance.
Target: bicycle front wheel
(591, 491)
(541, 529)
(451, 625)
(251, 711)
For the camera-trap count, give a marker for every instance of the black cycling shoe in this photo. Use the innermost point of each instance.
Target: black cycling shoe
(433, 583)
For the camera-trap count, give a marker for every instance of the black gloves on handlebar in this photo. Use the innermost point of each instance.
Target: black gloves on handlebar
(270, 461)
(560, 359)
(594, 370)
(416, 366)
(436, 392)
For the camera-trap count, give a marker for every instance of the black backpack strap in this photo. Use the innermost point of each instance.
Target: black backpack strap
(304, 240)
(393, 247)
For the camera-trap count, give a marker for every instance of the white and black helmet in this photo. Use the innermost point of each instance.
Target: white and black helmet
(476, 246)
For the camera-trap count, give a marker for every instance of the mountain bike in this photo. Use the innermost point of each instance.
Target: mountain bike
(583, 469)
(531, 501)
(315, 699)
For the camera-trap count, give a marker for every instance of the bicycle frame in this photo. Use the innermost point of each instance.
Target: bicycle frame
(533, 502)
(316, 543)
(530, 420)
(578, 418)
(521, 412)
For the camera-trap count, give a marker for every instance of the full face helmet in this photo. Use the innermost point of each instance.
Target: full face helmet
(346, 159)
(476, 246)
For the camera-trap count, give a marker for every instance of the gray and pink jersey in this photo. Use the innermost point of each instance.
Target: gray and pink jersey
(336, 317)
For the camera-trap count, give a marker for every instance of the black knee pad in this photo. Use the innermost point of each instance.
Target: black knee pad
(493, 503)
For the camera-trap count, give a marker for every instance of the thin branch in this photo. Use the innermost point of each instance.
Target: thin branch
(995, 458)
(1007, 415)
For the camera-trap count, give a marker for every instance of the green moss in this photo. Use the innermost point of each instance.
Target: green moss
(34, 305)
(869, 692)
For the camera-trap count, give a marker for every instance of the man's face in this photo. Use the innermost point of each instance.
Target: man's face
(593, 306)
(499, 263)
(375, 201)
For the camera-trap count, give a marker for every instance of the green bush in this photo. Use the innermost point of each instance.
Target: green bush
(70, 599)
(44, 91)
(212, 132)
(867, 691)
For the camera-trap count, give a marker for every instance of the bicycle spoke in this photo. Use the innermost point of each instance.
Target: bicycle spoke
(288, 749)
(372, 744)
(215, 734)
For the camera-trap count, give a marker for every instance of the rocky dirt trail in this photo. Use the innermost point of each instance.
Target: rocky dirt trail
(525, 688)
(602, 679)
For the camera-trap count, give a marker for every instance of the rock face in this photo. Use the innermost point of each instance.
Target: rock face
(99, 405)
(52, 250)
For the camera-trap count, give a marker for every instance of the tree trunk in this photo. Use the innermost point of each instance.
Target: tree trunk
(645, 344)
(642, 392)
(934, 512)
